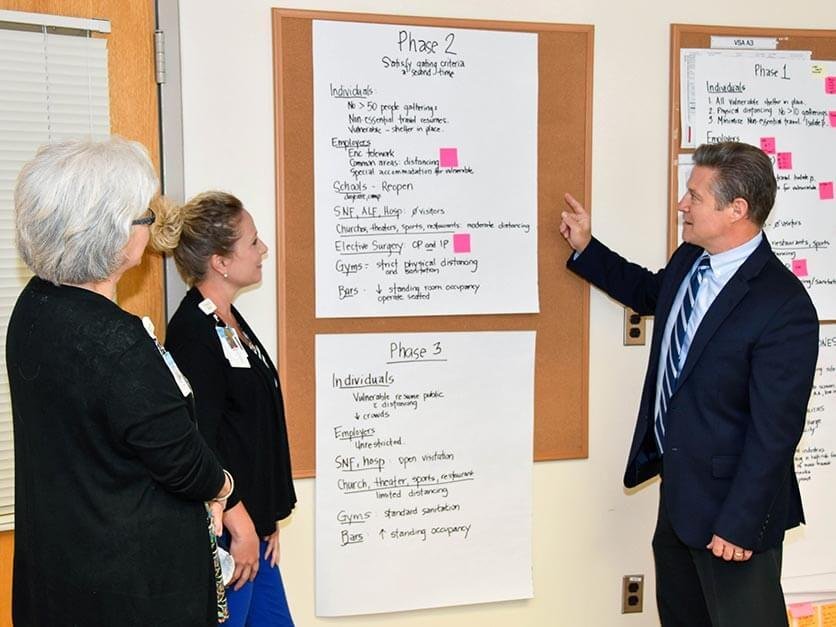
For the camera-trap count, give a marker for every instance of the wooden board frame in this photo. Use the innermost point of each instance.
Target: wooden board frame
(822, 43)
(565, 54)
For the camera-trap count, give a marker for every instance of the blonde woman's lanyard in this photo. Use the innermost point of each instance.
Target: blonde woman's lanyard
(231, 344)
(229, 338)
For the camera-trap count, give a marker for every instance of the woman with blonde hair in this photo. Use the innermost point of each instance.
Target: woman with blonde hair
(111, 474)
(239, 402)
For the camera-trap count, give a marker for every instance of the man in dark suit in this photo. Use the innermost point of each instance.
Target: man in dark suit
(724, 399)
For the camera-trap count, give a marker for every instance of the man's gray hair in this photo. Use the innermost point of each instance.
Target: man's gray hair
(74, 203)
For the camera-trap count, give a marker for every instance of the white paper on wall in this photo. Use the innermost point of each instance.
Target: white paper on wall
(425, 169)
(424, 461)
(788, 108)
(687, 95)
(809, 563)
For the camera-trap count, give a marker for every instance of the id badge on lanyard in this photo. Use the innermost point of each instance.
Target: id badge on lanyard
(230, 342)
(179, 378)
(232, 347)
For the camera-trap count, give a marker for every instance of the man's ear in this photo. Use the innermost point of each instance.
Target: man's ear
(739, 209)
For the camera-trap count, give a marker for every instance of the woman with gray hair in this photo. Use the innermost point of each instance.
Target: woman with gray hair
(111, 474)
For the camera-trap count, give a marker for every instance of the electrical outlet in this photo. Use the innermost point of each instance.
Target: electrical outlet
(632, 594)
(634, 332)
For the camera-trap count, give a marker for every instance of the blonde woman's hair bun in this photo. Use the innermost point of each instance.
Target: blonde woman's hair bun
(168, 225)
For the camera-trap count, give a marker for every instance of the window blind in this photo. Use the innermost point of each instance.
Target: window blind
(52, 87)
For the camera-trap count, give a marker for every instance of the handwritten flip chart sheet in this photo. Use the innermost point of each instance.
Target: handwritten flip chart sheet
(810, 550)
(788, 108)
(424, 460)
(425, 169)
(687, 86)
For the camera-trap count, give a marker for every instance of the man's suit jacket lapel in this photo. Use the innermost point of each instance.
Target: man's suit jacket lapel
(728, 298)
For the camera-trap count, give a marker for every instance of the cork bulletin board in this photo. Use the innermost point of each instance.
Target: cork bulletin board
(820, 43)
(565, 55)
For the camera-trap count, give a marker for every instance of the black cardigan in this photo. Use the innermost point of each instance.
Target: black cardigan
(240, 412)
(110, 471)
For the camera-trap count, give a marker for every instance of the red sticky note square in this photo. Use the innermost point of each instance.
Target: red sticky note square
(800, 610)
(784, 160)
(799, 267)
(832, 116)
(461, 242)
(448, 157)
(768, 145)
(830, 85)
(826, 190)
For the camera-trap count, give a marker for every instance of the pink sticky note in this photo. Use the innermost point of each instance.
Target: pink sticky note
(784, 160)
(800, 610)
(832, 116)
(448, 157)
(799, 267)
(768, 145)
(461, 242)
(830, 85)
(826, 190)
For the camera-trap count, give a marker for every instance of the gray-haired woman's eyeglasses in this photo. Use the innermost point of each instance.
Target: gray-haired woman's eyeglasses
(146, 220)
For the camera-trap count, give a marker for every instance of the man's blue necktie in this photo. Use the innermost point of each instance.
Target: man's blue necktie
(678, 335)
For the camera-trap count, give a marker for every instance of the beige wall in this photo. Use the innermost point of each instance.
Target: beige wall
(588, 531)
